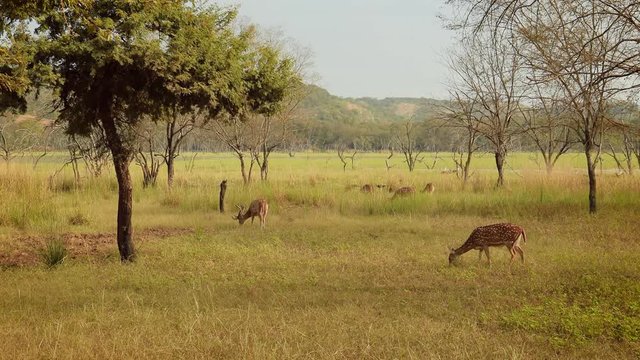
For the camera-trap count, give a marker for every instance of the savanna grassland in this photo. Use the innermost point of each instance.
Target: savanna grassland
(336, 274)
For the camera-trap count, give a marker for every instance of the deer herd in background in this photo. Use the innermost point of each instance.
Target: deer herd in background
(481, 238)
(402, 191)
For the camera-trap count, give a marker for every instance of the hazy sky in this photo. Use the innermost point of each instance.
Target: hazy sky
(376, 48)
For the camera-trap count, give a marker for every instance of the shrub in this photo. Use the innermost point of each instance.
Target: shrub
(54, 253)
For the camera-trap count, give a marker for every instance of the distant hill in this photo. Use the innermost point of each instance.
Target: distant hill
(328, 121)
(320, 105)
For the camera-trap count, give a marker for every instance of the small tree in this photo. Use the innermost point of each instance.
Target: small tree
(148, 153)
(235, 133)
(546, 123)
(177, 127)
(462, 117)
(405, 139)
(92, 149)
(17, 137)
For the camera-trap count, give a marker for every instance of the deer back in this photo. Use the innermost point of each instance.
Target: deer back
(403, 191)
(258, 207)
(495, 235)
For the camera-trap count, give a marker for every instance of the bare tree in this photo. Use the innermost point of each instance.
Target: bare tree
(46, 138)
(462, 116)
(623, 138)
(237, 134)
(92, 149)
(545, 121)
(16, 137)
(177, 127)
(488, 74)
(148, 153)
(275, 131)
(343, 158)
(405, 139)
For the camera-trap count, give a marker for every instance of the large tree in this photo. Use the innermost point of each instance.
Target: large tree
(118, 62)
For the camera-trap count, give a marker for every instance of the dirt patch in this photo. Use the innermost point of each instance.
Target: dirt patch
(26, 249)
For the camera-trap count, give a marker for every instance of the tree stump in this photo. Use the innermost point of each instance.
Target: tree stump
(223, 189)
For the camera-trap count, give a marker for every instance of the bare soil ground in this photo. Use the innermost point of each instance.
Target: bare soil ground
(25, 250)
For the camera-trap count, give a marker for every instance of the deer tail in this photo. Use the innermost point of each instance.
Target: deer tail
(524, 236)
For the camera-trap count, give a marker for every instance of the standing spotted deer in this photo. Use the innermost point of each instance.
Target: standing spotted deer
(256, 208)
(481, 238)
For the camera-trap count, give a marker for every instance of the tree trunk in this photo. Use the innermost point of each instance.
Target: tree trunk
(121, 159)
(500, 166)
(591, 168)
(223, 190)
(243, 169)
(549, 164)
(170, 169)
(465, 171)
(125, 211)
(264, 168)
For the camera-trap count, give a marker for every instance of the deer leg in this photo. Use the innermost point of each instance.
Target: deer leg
(480, 254)
(521, 252)
(512, 250)
(486, 252)
(252, 219)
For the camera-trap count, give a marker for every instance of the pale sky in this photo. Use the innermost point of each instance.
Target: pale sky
(375, 48)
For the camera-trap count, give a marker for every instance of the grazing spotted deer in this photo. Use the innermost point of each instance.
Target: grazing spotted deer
(257, 208)
(404, 191)
(367, 188)
(430, 188)
(481, 238)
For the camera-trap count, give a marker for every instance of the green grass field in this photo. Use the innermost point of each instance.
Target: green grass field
(337, 274)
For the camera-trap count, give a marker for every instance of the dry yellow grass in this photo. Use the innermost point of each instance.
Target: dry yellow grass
(337, 274)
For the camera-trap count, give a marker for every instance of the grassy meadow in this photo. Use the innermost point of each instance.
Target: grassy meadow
(337, 274)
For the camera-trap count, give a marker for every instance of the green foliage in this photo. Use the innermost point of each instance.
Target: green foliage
(270, 81)
(14, 81)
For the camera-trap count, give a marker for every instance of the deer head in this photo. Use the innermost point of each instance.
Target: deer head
(239, 217)
(452, 256)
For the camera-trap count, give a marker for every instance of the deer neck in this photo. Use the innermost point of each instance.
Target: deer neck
(246, 215)
(463, 249)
